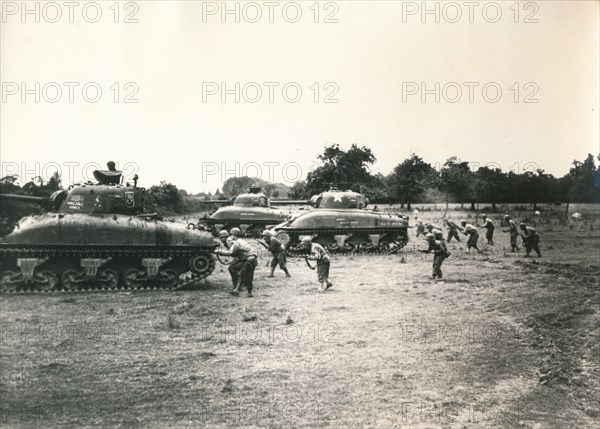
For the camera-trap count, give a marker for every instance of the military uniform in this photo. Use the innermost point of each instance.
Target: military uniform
(242, 267)
(440, 253)
(473, 235)
(319, 254)
(514, 234)
(452, 231)
(489, 233)
(531, 240)
(420, 227)
(437, 233)
(435, 230)
(278, 257)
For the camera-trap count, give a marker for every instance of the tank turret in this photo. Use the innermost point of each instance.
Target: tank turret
(252, 212)
(341, 222)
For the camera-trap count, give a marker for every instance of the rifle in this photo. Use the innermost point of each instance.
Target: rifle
(308, 263)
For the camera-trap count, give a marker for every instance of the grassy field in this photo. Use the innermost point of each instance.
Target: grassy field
(503, 341)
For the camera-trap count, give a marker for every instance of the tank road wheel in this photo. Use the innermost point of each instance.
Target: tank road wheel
(71, 280)
(202, 265)
(364, 247)
(332, 247)
(109, 279)
(349, 248)
(401, 239)
(168, 278)
(45, 281)
(384, 248)
(7, 282)
(132, 279)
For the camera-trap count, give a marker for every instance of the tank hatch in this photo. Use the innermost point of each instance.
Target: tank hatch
(251, 200)
(335, 199)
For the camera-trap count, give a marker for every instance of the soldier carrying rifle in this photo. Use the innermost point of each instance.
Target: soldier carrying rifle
(452, 230)
(435, 230)
(531, 240)
(513, 231)
(489, 226)
(245, 261)
(470, 231)
(319, 254)
(440, 253)
(277, 250)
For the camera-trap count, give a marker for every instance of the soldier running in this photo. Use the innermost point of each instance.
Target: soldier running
(489, 226)
(277, 250)
(319, 254)
(531, 240)
(472, 233)
(244, 261)
(440, 253)
(513, 231)
(435, 230)
(420, 226)
(452, 230)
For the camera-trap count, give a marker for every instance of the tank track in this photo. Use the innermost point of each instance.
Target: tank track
(294, 251)
(253, 231)
(58, 254)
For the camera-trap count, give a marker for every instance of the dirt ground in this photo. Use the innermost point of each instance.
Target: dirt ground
(503, 341)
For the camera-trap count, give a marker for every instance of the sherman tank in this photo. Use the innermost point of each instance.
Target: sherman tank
(98, 237)
(341, 223)
(251, 212)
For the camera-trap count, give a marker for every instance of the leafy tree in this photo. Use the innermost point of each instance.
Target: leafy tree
(583, 178)
(165, 199)
(409, 179)
(456, 180)
(240, 185)
(377, 190)
(299, 191)
(490, 186)
(341, 167)
(12, 211)
(582, 183)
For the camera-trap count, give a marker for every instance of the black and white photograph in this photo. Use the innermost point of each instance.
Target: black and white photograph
(341, 214)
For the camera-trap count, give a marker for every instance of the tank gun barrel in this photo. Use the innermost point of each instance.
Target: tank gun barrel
(25, 199)
(290, 202)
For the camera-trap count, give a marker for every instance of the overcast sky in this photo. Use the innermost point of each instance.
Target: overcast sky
(375, 61)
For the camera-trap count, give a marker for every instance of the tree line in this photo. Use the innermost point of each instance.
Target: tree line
(412, 181)
(416, 181)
